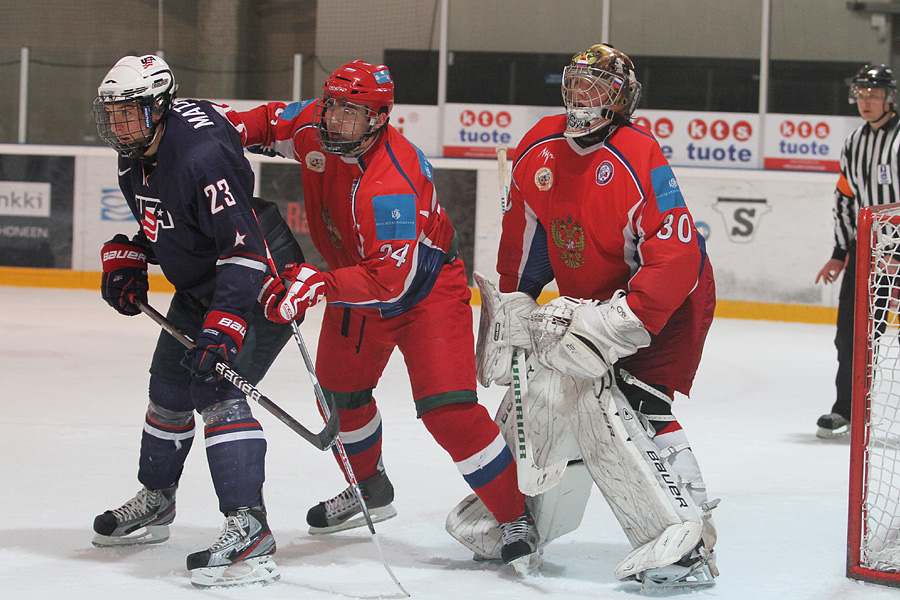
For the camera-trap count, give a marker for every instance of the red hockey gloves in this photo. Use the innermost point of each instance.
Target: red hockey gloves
(124, 273)
(219, 341)
(305, 288)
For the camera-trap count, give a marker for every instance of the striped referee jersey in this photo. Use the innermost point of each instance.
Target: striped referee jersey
(870, 176)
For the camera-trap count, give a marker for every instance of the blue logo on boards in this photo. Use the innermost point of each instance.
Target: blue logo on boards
(395, 216)
(665, 186)
(113, 206)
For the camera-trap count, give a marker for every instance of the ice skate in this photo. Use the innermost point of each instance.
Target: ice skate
(520, 544)
(831, 426)
(344, 511)
(241, 555)
(696, 570)
(142, 520)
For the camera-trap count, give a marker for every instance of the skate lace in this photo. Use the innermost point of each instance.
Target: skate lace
(515, 531)
(232, 532)
(137, 506)
(341, 503)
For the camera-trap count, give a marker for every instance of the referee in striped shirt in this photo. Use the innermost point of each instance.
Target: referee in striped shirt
(869, 176)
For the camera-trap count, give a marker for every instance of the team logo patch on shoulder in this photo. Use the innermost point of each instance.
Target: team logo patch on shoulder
(568, 236)
(543, 179)
(315, 161)
(395, 216)
(605, 172)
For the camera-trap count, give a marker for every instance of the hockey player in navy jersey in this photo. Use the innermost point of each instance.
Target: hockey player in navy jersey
(183, 173)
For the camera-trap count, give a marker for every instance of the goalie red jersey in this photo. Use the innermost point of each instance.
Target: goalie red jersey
(381, 220)
(607, 217)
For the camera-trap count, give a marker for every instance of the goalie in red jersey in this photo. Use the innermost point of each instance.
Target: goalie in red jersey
(394, 280)
(595, 205)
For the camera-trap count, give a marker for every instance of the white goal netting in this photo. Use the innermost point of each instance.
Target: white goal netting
(876, 416)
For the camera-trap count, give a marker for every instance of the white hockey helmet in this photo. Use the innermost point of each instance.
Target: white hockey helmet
(143, 83)
(599, 87)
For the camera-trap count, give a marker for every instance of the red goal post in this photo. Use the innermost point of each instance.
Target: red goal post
(873, 532)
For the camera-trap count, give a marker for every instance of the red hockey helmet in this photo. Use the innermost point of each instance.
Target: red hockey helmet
(354, 97)
(362, 83)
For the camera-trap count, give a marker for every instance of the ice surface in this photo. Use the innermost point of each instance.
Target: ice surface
(74, 378)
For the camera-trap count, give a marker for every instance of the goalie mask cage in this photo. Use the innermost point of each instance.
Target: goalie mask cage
(873, 532)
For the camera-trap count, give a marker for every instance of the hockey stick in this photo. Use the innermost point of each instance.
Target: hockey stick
(345, 461)
(322, 440)
(330, 414)
(533, 480)
(503, 172)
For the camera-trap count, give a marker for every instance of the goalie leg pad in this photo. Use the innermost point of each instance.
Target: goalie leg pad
(534, 420)
(625, 463)
(501, 329)
(556, 513)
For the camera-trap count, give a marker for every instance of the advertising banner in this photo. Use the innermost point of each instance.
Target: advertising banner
(36, 199)
(806, 142)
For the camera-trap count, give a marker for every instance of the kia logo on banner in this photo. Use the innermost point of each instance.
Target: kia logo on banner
(24, 199)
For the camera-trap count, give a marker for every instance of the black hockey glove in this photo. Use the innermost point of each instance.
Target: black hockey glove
(124, 273)
(219, 341)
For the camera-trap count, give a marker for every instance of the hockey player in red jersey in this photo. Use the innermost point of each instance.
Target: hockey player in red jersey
(394, 280)
(594, 205)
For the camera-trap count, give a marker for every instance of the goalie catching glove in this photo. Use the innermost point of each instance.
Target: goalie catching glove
(583, 338)
(286, 298)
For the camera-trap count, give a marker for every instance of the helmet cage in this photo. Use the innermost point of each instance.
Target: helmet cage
(342, 127)
(593, 97)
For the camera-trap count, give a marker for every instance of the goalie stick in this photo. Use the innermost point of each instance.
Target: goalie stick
(322, 440)
(503, 172)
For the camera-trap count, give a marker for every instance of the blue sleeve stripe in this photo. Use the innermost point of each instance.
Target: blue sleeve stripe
(400, 170)
(537, 272)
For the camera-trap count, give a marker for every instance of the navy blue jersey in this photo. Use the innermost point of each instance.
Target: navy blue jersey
(194, 207)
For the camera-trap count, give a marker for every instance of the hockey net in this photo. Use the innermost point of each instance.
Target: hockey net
(873, 542)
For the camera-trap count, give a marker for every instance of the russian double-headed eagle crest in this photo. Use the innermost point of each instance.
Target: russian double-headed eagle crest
(568, 236)
(332, 230)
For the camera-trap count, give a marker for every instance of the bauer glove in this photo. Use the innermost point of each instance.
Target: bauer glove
(286, 298)
(220, 340)
(124, 273)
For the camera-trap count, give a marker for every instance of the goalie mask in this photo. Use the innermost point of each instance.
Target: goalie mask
(349, 114)
(132, 101)
(599, 87)
(873, 77)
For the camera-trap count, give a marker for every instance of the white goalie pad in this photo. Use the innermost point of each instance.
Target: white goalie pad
(657, 514)
(534, 419)
(555, 513)
(501, 329)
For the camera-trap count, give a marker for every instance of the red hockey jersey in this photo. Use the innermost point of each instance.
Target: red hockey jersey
(375, 218)
(599, 219)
